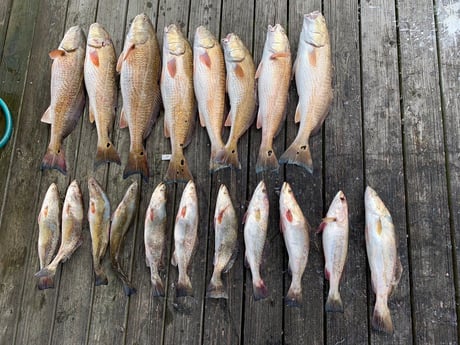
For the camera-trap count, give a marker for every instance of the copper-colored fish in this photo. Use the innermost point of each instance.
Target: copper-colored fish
(226, 242)
(382, 253)
(71, 237)
(121, 222)
(274, 74)
(241, 92)
(313, 75)
(155, 237)
(49, 232)
(295, 230)
(335, 246)
(178, 100)
(185, 238)
(99, 226)
(255, 233)
(101, 85)
(209, 83)
(139, 65)
(67, 95)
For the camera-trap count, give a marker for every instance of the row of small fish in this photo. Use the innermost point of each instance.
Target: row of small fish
(146, 82)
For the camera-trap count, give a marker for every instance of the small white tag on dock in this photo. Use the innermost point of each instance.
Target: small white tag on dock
(166, 157)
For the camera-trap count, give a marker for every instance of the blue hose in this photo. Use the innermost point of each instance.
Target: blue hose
(9, 124)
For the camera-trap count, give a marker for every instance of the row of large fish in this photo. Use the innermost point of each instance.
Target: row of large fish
(109, 230)
(181, 77)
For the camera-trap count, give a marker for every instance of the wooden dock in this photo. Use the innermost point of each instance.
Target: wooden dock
(394, 125)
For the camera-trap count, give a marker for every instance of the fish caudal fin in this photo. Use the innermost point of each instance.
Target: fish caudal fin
(137, 164)
(54, 160)
(178, 170)
(100, 278)
(260, 290)
(216, 288)
(299, 155)
(158, 289)
(294, 297)
(381, 320)
(184, 286)
(228, 156)
(46, 272)
(266, 160)
(106, 153)
(45, 283)
(334, 303)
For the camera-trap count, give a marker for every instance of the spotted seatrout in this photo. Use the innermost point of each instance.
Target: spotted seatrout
(295, 229)
(226, 242)
(49, 232)
(255, 232)
(185, 238)
(383, 258)
(155, 236)
(335, 246)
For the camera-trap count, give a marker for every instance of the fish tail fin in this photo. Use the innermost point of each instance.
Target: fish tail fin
(106, 152)
(298, 154)
(158, 289)
(184, 286)
(45, 283)
(381, 320)
(260, 290)
(101, 278)
(54, 160)
(228, 156)
(178, 169)
(216, 287)
(46, 272)
(294, 296)
(266, 159)
(214, 165)
(137, 163)
(334, 302)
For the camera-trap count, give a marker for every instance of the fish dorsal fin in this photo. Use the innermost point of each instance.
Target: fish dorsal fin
(205, 59)
(46, 118)
(239, 71)
(94, 57)
(172, 67)
(259, 70)
(297, 114)
(123, 122)
(312, 57)
(228, 121)
(54, 54)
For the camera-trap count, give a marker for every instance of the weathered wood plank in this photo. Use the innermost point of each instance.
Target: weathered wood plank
(343, 164)
(426, 186)
(383, 158)
(22, 193)
(5, 11)
(308, 190)
(448, 37)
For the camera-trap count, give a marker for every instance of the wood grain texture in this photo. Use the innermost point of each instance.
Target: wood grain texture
(308, 190)
(383, 148)
(428, 214)
(343, 164)
(5, 11)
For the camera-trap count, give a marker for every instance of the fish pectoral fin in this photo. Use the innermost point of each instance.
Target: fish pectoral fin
(397, 274)
(147, 263)
(54, 54)
(294, 67)
(259, 70)
(46, 118)
(323, 224)
(202, 122)
(245, 217)
(91, 115)
(204, 58)
(94, 57)
(279, 55)
(228, 121)
(123, 122)
(174, 259)
(259, 120)
(172, 67)
(239, 71)
(297, 114)
(123, 56)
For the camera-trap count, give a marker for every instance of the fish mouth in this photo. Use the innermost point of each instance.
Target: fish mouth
(312, 16)
(227, 38)
(170, 27)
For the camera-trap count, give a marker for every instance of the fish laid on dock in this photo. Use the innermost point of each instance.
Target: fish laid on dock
(121, 222)
(185, 238)
(382, 254)
(209, 84)
(101, 86)
(255, 233)
(155, 237)
(71, 236)
(274, 76)
(49, 233)
(99, 226)
(67, 95)
(335, 246)
(178, 100)
(226, 242)
(313, 76)
(241, 92)
(139, 66)
(295, 229)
